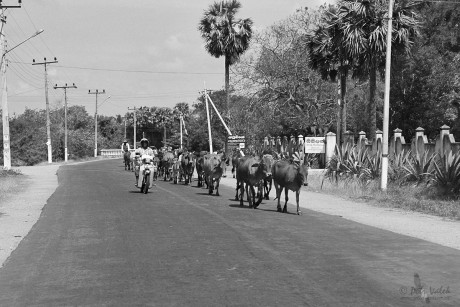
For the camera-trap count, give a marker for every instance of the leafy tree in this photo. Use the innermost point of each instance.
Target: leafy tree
(364, 27)
(225, 35)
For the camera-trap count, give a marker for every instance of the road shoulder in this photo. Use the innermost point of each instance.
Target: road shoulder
(414, 224)
(19, 212)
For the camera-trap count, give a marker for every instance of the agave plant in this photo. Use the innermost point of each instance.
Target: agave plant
(447, 173)
(396, 171)
(419, 167)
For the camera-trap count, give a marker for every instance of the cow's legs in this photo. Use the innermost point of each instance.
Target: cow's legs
(237, 190)
(217, 187)
(269, 188)
(210, 185)
(247, 194)
(278, 191)
(242, 192)
(286, 198)
(260, 194)
(297, 194)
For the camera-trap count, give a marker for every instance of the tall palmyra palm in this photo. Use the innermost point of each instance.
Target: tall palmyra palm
(328, 56)
(364, 24)
(225, 35)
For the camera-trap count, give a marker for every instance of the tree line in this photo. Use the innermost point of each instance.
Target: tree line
(322, 69)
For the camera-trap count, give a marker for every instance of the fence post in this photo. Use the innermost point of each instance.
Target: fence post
(265, 143)
(396, 142)
(349, 139)
(300, 146)
(446, 140)
(362, 140)
(377, 144)
(278, 144)
(418, 144)
(331, 141)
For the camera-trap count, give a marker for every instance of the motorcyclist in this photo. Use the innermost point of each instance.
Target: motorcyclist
(125, 146)
(143, 150)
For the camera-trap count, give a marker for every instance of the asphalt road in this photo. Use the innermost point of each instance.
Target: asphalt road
(100, 242)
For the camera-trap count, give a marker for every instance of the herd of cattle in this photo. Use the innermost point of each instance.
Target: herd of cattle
(254, 173)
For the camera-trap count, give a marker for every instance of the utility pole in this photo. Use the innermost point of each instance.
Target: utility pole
(48, 122)
(97, 93)
(134, 114)
(125, 127)
(5, 115)
(209, 119)
(386, 103)
(65, 87)
(180, 120)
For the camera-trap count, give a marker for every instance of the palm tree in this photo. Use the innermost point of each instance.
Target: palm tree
(328, 56)
(225, 35)
(364, 25)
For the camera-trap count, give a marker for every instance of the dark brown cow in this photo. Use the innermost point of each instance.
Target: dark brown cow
(213, 170)
(187, 166)
(199, 166)
(236, 155)
(289, 176)
(251, 171)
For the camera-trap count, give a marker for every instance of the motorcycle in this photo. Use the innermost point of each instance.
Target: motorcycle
(147, 163)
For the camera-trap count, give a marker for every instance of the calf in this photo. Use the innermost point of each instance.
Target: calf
(250, 171)
(167, 163)
(268, 161)
(289, 176)
(213, 170)
(175, 170)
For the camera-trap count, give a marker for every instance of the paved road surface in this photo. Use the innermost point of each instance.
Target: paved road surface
(99, 242)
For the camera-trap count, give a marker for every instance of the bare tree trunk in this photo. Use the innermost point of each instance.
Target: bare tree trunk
(227, 94)
(372, 102)
(343, 106)
(339, 109)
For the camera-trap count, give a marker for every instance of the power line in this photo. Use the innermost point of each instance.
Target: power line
(134, 71)
(27, 91)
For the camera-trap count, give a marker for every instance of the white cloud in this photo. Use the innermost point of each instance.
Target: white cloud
(173, 43)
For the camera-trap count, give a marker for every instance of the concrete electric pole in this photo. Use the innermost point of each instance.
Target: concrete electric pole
(65, 87)
(5, 115)
(134, 115)
(48, 122)
(97, 93)
(386, 102)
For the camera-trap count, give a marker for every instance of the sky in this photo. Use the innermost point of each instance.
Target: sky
(143, 52)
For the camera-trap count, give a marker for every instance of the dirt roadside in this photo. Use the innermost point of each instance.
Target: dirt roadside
(418, 225)
(21, 210)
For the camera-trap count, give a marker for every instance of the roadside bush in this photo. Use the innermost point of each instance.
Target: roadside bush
(447, 174)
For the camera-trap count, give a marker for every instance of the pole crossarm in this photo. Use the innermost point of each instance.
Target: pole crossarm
(19, 5)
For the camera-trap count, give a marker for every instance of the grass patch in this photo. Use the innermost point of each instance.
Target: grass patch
(9, 182)
(410, 197)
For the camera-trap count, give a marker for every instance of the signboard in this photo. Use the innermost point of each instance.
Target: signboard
(236, 141)
(315, 145)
